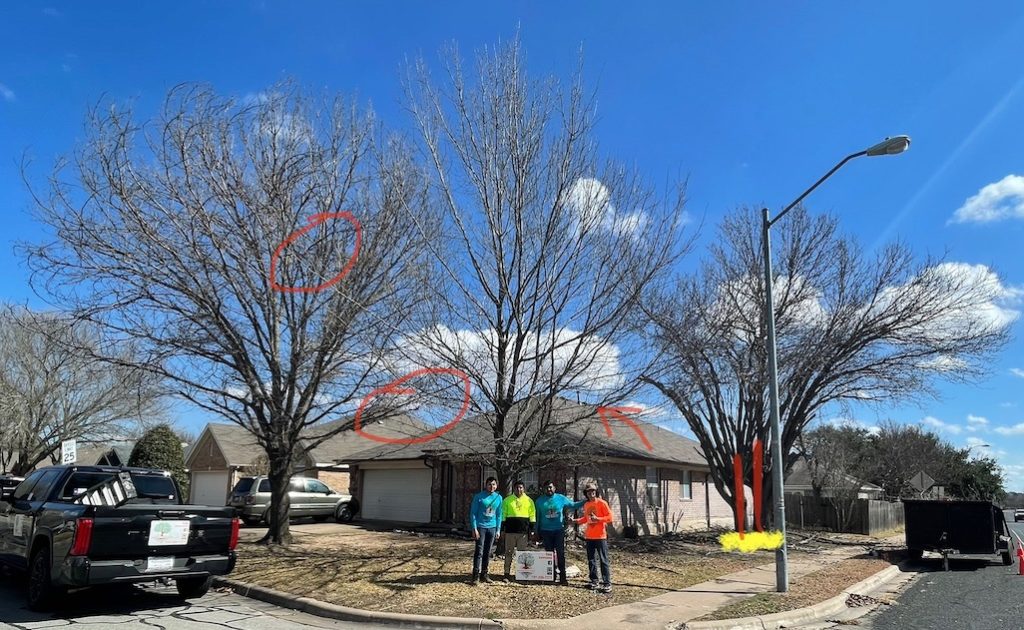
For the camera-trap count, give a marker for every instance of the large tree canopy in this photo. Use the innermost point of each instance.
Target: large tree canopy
(852, 325)
(167, 233)
(547, 251)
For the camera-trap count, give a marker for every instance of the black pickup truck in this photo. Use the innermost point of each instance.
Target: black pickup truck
(77, 526)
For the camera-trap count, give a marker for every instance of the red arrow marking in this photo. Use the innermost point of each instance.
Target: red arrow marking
(314, 221)
(619, 413)
(395, 387)
(758, 482)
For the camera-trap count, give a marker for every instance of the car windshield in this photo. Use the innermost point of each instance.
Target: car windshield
(151, 488)
(244, 485)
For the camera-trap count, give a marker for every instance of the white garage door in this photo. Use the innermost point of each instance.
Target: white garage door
(397, 495)
(209, 488)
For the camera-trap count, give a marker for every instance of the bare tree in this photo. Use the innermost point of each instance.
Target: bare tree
(214, 237)
(57, 389)
(547, 248)
(852, 326)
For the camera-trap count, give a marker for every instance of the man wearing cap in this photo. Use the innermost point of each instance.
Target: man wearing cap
(596, 516)
(550, 513)
(519, 517)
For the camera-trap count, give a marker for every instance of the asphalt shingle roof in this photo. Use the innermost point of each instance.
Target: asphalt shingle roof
(580, 429)
(240, 448)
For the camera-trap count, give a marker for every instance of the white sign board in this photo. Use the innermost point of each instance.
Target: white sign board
(166, 533)
(68, 452)
(535, 565)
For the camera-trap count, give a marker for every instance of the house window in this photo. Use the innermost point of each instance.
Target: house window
(686, 486)
(529, 478)
(653, 487)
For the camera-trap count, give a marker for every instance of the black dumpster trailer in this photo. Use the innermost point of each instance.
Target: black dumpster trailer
(956, 527)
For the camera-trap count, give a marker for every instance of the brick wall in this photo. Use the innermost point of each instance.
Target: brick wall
(336, 480)
(623, 485)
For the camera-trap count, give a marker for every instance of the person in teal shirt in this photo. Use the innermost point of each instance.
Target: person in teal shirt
(485, 525)
(550, 508)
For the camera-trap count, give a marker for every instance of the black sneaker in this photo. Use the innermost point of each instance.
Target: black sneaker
(563, 582)
(486, 579)
(605, 588)
(473, 579)
(592, 586)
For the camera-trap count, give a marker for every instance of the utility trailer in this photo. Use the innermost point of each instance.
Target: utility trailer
(956, 527)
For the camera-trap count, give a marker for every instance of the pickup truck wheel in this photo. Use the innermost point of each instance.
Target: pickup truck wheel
(251, 522)
(344, 513)
(41, 590)
(915, 554)
(194, 587)
(1007, 558)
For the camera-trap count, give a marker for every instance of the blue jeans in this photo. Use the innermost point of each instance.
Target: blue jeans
(554, 540)
(482, 550)
(597, 553)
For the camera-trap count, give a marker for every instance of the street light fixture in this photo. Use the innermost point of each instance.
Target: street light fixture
(889, 146)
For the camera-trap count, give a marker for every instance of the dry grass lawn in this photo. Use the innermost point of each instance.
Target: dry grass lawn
(811, 589)
(404, 573)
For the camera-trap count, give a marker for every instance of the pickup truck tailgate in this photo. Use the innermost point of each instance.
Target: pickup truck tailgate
(139, 530)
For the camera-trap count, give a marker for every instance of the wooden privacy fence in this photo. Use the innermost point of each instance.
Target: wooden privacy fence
(860, 516)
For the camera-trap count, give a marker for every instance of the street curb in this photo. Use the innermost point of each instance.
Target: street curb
(344, 613)
(790, 618)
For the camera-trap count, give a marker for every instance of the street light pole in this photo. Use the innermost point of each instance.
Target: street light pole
(889, 146)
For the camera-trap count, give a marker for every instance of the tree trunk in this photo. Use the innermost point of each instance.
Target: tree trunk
(279, 532)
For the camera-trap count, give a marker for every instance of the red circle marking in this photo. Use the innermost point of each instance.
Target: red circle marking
(314, 221)
(394, 387)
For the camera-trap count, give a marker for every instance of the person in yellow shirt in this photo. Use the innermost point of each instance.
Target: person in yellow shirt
(596, 516)
(519, 517)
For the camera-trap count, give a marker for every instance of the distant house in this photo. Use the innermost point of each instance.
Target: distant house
(799, 481)
(114, 453)
(224, 452)
(663, 489)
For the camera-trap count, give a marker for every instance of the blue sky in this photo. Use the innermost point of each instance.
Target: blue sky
(750, 102)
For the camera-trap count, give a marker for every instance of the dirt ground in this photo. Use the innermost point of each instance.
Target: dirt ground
(408, 573)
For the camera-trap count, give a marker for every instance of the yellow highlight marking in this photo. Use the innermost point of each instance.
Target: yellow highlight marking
(751, 541)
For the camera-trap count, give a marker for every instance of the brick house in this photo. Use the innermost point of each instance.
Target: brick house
(667, 488)
(223, 453)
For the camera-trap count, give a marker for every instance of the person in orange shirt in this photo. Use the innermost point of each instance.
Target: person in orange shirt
(596, 516)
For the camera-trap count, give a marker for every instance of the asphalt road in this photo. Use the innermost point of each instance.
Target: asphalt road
(154, 607)
(974, 595)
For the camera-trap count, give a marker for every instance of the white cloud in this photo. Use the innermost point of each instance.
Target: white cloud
(976, 420)
(1017, 429)
(1013, 475)
(52, 12)
(975, 298)
(857, 424)
(1017, 372)
(7, 93)
(941, 426)
(589, 364)
(997, 201)
(590, 200)
(1007, 405)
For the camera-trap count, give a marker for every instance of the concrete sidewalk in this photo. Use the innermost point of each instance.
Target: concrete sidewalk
(676, 607)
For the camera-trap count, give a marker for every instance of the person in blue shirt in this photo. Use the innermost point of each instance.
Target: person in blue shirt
(550, 508)
(485, 524)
